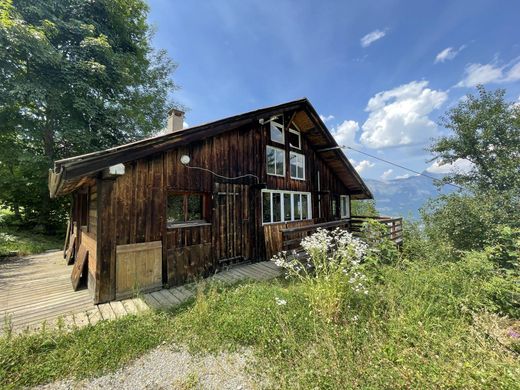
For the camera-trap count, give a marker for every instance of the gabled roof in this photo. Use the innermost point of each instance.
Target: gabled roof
(71, 173)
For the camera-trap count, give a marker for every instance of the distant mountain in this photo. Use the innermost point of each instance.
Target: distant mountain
(404, 197)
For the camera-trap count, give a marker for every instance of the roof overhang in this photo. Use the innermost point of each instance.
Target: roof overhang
(71, 173)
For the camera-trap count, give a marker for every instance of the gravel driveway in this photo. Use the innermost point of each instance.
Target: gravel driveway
(167, 367)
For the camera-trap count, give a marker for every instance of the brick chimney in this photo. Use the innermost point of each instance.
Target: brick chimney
(175, 120)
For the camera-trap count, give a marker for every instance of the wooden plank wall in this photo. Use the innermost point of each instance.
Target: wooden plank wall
(92, 211)
(273, 235)
(138, 268)
(132, 208)
(188, 253)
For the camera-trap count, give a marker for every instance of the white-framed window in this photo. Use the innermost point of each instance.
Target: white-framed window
(276, 129)
(344, 206)
(285, 206)
(275, 160)
(297, 165)
(295, 139)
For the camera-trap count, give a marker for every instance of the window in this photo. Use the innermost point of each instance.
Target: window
(295, 139)
(277, 134)
(185, 207)
(275, 161)
(297, 166)
(344, 206)
(285, 206)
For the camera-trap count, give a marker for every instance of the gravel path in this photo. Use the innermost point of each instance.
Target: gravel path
(168, 367)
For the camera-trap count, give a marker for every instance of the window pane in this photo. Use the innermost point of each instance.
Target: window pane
(297, 162)
(266, 206)
(300, 172)
(276, 132)
(293, 165)
(333, 206)
(175, 208)
(280, 162)
(194, 207)
(277, 207)
(297, 206)
(271, 160)
(287, 207)
(294, 140)
(305, 205)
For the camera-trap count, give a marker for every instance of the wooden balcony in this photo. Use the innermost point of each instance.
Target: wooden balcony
(291, 238)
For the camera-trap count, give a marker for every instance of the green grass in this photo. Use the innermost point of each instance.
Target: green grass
(16, 240)
(415, 329)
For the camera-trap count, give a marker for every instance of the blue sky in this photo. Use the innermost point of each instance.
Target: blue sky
(381, 73)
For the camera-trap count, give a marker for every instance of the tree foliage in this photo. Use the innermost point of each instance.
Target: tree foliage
(76, 76)
(485, 130)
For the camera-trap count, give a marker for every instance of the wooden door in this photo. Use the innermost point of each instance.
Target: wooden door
(233, 222)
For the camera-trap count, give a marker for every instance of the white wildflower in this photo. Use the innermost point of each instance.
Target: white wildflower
(280, 302)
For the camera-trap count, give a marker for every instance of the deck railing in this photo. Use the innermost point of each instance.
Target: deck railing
(291, 238)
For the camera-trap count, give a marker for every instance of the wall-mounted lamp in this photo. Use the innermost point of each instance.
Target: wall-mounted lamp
(185, 160)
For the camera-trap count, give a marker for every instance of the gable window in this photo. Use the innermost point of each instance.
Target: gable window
(277, 133)
(186, 208)
(285, 206)
(344, 206)
(295, 140)
(275, 161)
(297, 166)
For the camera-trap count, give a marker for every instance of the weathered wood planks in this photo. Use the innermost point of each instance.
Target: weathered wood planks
(138, 268)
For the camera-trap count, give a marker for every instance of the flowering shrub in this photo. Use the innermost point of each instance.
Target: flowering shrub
(331, 268)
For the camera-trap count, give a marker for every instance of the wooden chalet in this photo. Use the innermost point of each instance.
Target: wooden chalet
(167, 209)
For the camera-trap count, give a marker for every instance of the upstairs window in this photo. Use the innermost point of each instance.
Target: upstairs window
(275, 161)
(344, 206)
(297, 166)
(295, 139)
(277, 133)
(186, 208)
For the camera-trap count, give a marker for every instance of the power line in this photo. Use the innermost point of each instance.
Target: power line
(400, 166)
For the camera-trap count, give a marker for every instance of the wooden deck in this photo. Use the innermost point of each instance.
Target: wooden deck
(36, 291)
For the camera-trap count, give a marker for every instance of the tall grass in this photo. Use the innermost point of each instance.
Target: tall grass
(422, 324)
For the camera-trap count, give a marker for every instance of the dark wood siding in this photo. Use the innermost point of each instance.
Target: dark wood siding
(132, 208)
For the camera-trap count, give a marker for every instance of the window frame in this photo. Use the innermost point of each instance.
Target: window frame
(299, 134)
(185, 206)
(291, 153)
(292, 194)
(280, 126)
(267, 162)
(345, 198)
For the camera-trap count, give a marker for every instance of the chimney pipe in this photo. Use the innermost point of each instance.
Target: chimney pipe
(175, 120)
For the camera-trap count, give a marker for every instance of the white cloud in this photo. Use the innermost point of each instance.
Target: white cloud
(489, 73)
(400, 116)
(405, 176)
(365, 164)
(371, 37)
(459, 166)
(326, 118)
(448, 54)
(386, 174)
(345, 133)
(185, 125)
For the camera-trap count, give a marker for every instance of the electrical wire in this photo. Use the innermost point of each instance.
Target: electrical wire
(225, 177)
(402, 167)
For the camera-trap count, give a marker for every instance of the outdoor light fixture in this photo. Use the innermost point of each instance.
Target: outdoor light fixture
(185, 159)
